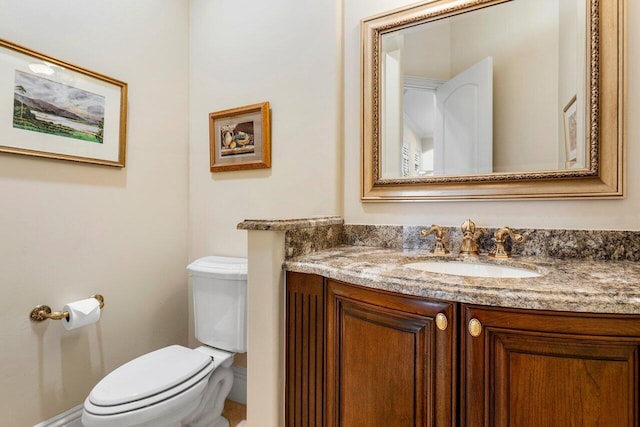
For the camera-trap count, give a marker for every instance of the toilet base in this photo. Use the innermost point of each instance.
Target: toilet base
(209, 412)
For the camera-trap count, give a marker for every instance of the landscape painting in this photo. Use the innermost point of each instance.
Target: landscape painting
(43, 105)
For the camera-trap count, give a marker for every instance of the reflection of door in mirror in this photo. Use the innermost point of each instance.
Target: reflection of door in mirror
(463, 140)
(448, 125)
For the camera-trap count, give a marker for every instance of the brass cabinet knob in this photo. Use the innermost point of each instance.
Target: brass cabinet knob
(474, 327)
(441, 321)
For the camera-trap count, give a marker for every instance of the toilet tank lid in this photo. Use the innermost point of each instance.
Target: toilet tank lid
(220, 267)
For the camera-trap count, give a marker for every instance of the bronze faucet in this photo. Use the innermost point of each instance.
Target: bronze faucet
(500, 252)
(469, 245)
(439, 248)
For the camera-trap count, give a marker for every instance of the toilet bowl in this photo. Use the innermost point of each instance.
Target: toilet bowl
(175, 385)
(161, 388)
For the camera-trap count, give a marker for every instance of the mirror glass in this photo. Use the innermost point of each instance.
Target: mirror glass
(498, 89)
(494, 99)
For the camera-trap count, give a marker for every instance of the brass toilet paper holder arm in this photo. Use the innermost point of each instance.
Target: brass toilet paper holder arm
(43, 312)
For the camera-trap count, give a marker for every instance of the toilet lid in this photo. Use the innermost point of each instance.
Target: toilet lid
(148, 375)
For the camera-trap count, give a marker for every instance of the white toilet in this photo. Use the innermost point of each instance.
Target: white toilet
(178, 386)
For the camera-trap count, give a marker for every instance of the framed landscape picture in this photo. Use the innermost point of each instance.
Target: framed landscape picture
(240, 138)
(49, 108)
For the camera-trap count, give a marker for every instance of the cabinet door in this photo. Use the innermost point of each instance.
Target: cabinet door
(387, 362)
(525, 368)
(304, 352)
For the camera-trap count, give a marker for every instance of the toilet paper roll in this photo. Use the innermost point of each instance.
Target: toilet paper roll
(81, 313)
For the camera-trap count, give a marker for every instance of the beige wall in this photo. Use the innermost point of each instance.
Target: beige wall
(585, 214)
(69, 230)
(245, 52)
(288, 53)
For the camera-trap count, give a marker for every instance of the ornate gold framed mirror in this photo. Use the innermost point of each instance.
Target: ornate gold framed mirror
(493, 99)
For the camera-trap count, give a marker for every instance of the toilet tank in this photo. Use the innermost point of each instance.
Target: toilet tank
(220, 302)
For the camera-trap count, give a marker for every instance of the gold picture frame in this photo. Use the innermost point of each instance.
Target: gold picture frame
(240, 138)
(599, 173)
(59, 110)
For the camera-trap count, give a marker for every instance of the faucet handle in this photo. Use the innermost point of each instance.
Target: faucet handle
(439, 248)
(500, 252)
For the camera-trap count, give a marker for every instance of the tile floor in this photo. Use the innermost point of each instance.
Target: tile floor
(234, 412)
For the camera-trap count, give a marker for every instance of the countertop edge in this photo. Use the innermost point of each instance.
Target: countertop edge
(560, 290)
(289, 224)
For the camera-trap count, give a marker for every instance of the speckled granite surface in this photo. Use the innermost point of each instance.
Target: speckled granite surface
(308, 240)
(583, 244)
(306, 235)
(565, 285)
(302, 235)
(582, 270)
(289, 224)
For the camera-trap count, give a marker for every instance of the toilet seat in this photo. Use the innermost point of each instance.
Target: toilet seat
(150, 379)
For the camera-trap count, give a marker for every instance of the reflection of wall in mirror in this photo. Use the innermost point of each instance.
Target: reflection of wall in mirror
(532, 73)
(392, 160)
(570, 79)
(428, 53)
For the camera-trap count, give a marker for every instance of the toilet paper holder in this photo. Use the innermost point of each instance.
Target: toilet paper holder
(43, 312)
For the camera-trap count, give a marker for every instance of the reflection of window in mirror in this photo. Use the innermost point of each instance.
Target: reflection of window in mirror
(405, 170)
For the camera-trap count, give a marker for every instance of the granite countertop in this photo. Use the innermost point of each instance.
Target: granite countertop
(565, 284)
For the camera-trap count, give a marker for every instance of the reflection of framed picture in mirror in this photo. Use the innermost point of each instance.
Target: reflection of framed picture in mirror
(50, 108)
(570, 118)
(239, 138)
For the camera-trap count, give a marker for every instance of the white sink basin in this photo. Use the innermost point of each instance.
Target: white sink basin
(472, 269)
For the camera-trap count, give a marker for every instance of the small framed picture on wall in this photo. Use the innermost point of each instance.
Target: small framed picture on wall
(240, 138)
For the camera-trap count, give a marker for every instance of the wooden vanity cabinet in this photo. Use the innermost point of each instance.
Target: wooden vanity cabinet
(534, 368)
(356, 356)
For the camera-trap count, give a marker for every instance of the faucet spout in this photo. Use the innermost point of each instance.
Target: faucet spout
(469, 245)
